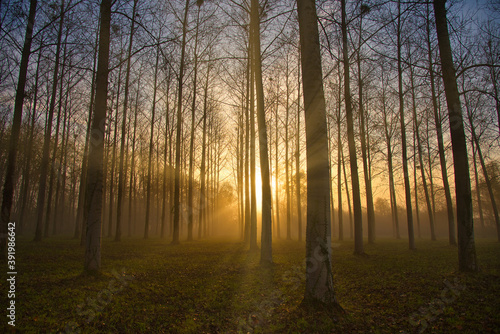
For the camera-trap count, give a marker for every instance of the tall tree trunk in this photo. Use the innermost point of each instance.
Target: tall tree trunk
(203, 201)
(266, 235)
(151, 147)
(191, 141)
(253, 195)
(358, 222)
(439, 133)
(339, 157)
(287, 175)
(297, 158)
(319, 278)
(175, 239)
(409, 213)
(132, 160)
(415, 182)
(466, 246)
(370, 211)
(8, 185)
(165, 154)
(93, 202)
(42, 183)
(122, 172)
(277, 201)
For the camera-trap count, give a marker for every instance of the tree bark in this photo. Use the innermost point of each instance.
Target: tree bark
(93, 202)
(42, 183)
(319, 278)
(266, 232)
(466, 247)
(356, 198)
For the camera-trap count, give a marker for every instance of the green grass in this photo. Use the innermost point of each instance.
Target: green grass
(150, 286)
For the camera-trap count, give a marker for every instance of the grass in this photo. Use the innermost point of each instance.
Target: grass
(150, 286)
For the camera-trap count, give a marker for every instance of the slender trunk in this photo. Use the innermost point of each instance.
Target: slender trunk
(358, 222)
(287, 177)
(253, 196)
(122, 172)
(175, 239)
(277, 207)
(203, 201)
(42, 183)
(409, 213)
(150, 155)
(132, 160)
(370, 211)
(297, 160)
(266, 235)
(8, 185)
(191, 141)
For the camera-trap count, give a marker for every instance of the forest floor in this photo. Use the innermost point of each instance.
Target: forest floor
(151, 286)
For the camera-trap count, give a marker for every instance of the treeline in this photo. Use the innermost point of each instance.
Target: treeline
(182, 108)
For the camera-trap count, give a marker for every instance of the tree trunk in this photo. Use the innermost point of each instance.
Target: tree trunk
(466, 246)
(8, 186)
(123, 172)
(191, 141)
(151, 147)
(440, 141)
(370, 211)
(409, 213)
(42, 183)
(358, 222)
(319, 278)
(175, 239)
(93, 202)
(297, 159)
(266, 235)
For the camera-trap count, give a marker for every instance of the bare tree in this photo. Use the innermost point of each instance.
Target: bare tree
(466, 247)
(93, 201)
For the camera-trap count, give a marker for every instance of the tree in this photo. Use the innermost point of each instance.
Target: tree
(319, 278)
(122, 172)
(266, 238)
(42, 183)
(466, 247)
(8, 186)
(93, 202)
(356, 198)
(409, 213)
